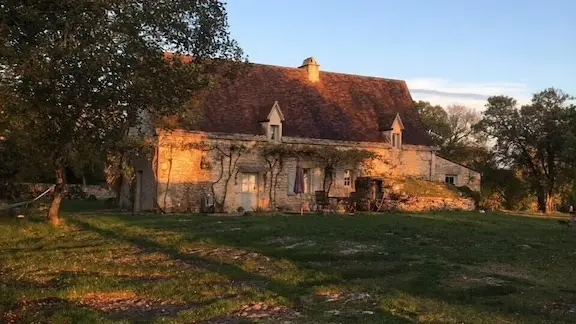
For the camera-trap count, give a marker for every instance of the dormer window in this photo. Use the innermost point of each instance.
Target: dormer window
(275, 132)
(272, 124)
(396, 140)
(392, 128)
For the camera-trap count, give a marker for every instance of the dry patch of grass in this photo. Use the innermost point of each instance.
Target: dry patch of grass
(141, 257)
(126, 305)
(288, 242)
(427, 310)
(504, 270)
(423, 188)
(350, 248)
(329, 293)
(264, 310)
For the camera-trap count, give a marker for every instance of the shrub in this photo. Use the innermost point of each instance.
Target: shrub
(492, 200)
(527, 203)
(467, 192)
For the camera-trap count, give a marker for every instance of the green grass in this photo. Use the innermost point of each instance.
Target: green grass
(429, 268)
(423, 188)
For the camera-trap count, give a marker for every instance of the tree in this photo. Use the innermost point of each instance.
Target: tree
(461, 121)
(81, 73)
(452, 130)
(532, 138)
(435, 119)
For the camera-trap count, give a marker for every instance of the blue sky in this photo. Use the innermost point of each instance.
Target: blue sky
(448, 51)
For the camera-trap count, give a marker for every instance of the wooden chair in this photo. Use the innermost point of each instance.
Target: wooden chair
(321, 200)
(379, 202)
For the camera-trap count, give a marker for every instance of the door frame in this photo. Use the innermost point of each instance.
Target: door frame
(256, 193)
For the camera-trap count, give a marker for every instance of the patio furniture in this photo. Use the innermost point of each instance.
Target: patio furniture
(369, 195)
(321, 199)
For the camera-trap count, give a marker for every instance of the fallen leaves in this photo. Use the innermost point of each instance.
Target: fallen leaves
(127, 305)
(263, 310)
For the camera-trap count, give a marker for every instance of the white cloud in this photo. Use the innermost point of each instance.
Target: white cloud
(445, 92)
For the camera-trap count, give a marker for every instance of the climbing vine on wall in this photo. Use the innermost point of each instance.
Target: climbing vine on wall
(225, 157)
(329, 158)
(275, 157)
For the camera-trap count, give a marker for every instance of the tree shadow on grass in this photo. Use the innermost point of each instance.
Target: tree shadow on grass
(56, 309)
(16, 308)
(234, 272)
(427, 278)
(288, 291)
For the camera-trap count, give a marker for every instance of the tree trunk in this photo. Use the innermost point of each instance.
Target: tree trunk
(328, 180)
(542, 201)
(59, 193)
(124, 197)
(84, 185)
(124, 202)
(276, 185)
(272, 203)
(117, 181)
(545, 201)
(549, 202)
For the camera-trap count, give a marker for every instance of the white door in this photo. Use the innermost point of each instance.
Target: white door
(249, 191)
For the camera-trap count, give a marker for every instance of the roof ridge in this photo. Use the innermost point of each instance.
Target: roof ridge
(187, 57)
(331, 72)
(366, 76)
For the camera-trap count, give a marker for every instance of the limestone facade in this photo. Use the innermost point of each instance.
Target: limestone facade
(461, 175)
(188, 164)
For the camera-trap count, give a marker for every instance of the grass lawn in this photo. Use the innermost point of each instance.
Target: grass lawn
(433, 268)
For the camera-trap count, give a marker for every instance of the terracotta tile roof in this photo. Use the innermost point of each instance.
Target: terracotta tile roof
(386, 120)
(339, 106)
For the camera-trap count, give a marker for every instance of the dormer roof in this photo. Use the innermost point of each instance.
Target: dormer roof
(388, 120)
(275, 110)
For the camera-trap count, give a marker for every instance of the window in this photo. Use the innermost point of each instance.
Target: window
(275, 132)
(451, 179)
(396, 140)
(347, 178)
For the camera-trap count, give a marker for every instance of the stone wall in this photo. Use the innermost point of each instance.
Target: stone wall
(185, 172)
(32, 190)
(424, 204)
(463, 176)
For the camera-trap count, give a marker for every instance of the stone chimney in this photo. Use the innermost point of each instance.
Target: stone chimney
(311, 65)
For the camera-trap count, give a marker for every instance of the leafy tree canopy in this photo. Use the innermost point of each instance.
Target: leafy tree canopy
(532, 138)
(79, 73)
(452, 130)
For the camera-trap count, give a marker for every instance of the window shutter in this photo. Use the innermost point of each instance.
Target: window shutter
(290, 183)
(339, 178)
(317, 180)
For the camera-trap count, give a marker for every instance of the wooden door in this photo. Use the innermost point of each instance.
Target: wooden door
(249, 191)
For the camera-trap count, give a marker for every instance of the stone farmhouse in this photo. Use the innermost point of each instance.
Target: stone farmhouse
(219, 157)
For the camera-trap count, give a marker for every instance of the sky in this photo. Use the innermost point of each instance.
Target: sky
(448, 51)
